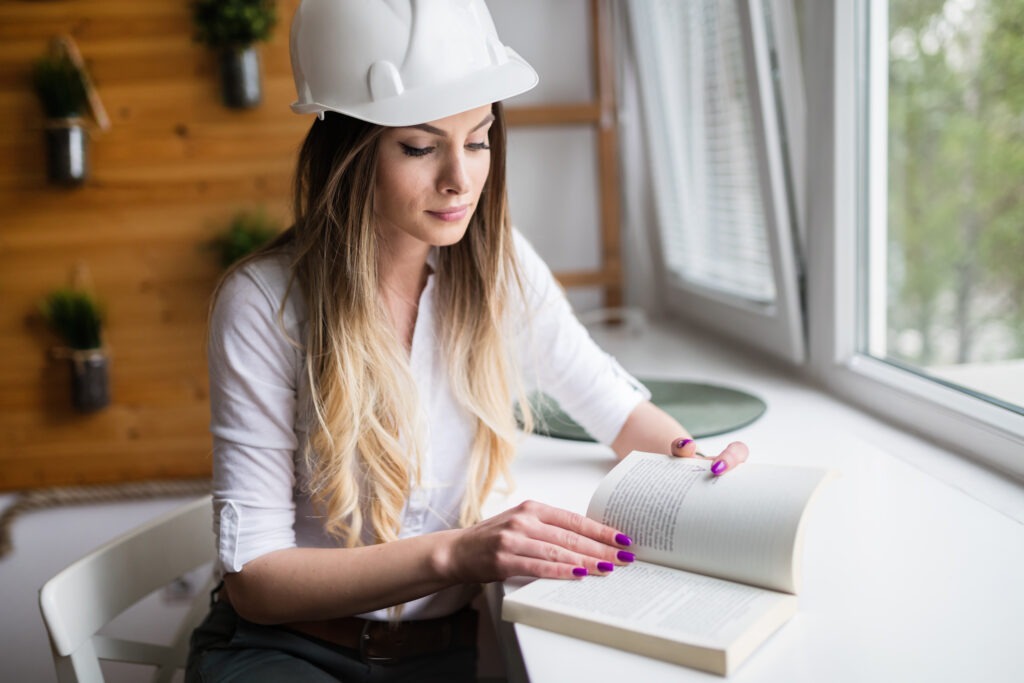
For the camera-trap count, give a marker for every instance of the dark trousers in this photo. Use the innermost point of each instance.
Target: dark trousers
(226, 648)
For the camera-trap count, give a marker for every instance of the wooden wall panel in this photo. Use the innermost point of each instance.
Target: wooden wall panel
(175, 166)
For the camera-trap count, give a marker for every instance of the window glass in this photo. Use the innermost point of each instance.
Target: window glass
(696, 95)
(945, 239)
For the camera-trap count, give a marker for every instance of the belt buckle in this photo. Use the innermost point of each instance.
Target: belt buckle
(365, 640)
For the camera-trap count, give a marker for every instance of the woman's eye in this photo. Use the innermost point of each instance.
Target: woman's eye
(478, 146)
(411, 151)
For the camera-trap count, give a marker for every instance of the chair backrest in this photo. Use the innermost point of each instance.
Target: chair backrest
(82, 599)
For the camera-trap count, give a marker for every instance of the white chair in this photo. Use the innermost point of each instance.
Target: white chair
(82, 599)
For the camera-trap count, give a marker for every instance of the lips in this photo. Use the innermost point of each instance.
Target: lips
(452, 213)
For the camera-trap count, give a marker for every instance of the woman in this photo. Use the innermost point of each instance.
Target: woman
(364, 366)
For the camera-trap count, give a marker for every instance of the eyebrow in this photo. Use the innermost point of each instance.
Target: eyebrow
(433, 130)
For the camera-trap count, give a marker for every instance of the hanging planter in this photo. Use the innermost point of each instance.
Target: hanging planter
(233, 28)
(66, 93)
(62, 91)
(67, 151)
(240, 77)
(90, 379)
(78, 320)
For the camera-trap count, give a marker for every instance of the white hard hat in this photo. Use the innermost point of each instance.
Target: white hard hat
(401, 62)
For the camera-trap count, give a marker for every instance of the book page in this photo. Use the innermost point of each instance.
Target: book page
(743, 526)
(660, 601)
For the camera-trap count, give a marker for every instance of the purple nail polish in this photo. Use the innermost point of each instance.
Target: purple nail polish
(625, 556)
(718, 467)
(623, 539)
(579, 571)
(605, 566)
(682, 443)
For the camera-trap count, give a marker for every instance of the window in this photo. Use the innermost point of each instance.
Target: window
(725, 206)
(945, 257)
(915, 250)
(905, 164)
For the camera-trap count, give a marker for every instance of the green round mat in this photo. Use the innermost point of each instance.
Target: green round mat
(704, 409)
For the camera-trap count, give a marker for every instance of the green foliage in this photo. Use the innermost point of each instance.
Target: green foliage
(60, 86)
(247, 232)
(75, 316)
(956, 179)
(1005, 52)
(233, 23)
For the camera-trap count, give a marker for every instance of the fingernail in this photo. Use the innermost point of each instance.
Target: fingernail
(625, 555)
(605, 566)
(623, 539)
(579, 571)
(718, 467)
(682, 443)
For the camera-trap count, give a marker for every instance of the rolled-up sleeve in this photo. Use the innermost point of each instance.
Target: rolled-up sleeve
(561, 359)
(253, 369)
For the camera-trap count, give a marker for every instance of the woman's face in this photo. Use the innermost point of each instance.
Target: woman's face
(429, 178)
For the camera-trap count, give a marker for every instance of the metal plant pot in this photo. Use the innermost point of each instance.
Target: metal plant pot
(67, 152)
(90, 380)
(240, 77)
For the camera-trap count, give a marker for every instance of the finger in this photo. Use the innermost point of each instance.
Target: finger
(580, 524)
(537, 549)
(589, 550)
(599, 547)
(592, 554)
(527, 566)
(734, 454)
(523, 545)
(684, 447)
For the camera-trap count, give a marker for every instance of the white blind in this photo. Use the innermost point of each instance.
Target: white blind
(701, 147)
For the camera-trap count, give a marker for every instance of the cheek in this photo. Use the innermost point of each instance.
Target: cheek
(397, 187)
(381, 187)
(388, 180)
(479, 171)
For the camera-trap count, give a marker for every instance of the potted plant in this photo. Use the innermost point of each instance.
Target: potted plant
(62, 90)
(247, 232)
(232, 28)
(77, 319)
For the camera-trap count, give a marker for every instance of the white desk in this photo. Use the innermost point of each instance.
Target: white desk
(906, 578)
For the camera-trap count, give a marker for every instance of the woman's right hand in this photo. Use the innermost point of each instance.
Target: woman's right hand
(534, 539)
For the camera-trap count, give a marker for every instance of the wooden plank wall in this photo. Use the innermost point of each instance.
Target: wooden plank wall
(175, 166)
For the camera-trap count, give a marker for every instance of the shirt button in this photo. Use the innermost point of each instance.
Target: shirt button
(418, 499)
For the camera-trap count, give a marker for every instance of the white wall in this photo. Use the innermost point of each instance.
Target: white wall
(552, 171)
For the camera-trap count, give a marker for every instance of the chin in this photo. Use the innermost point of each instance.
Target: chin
(448, 236)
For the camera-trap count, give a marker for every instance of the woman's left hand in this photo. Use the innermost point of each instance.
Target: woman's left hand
(734, 454)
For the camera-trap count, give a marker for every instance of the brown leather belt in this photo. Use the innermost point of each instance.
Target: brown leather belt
(383, 641)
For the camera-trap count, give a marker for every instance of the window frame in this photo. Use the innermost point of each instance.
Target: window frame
(836, 45)
(776, 328)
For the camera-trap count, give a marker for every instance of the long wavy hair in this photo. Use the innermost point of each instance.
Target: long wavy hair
(365, 444)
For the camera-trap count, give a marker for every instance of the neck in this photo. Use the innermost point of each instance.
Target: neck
(403, 277)
(405, 270)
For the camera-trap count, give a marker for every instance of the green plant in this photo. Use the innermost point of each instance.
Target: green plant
(247, 232)
(60, 86)
(233, 23)
(75, 316)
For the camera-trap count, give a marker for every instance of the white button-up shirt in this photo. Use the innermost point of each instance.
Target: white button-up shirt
(259, 394)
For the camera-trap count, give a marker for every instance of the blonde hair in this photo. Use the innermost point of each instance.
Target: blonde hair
(364, 446)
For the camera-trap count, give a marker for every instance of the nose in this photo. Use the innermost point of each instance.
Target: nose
(454, 177)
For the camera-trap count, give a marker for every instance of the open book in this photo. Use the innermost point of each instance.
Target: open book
(718, 562)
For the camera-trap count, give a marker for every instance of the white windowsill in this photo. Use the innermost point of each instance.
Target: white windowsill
(669, 349)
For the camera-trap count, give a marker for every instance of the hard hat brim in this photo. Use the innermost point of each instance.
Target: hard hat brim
(413, 106)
